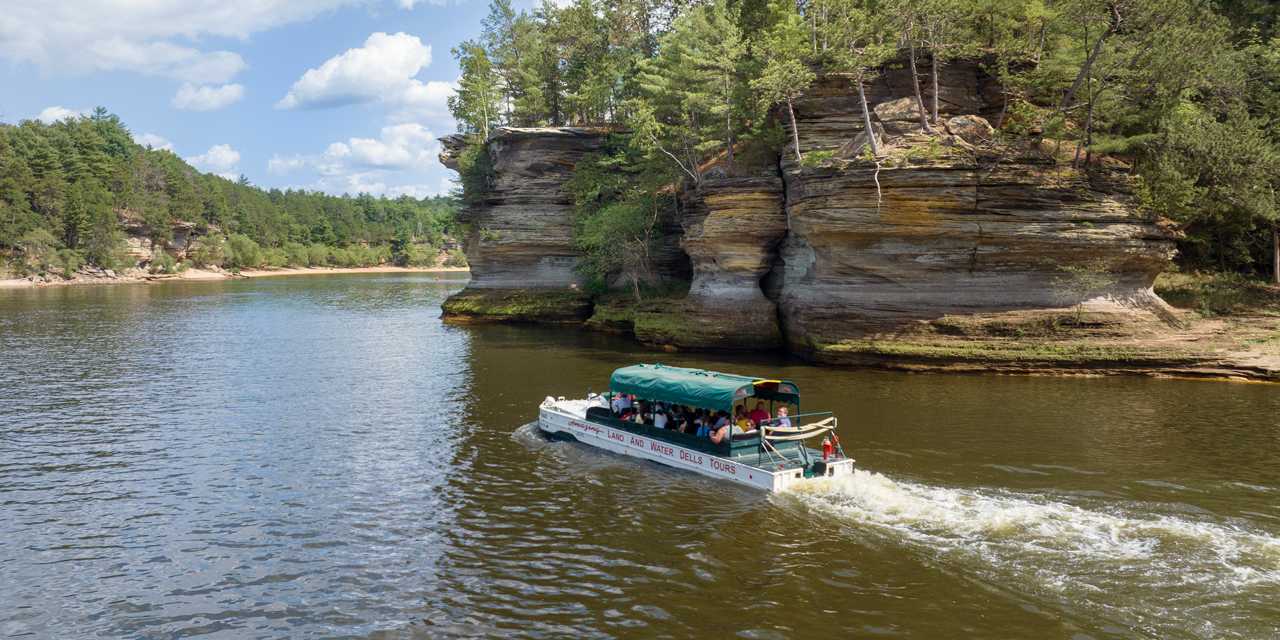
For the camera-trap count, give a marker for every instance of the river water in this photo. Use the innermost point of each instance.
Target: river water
(317, 457)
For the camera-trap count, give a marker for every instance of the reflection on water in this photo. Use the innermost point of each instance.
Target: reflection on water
(321, 457)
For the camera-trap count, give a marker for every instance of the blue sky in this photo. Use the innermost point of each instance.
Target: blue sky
(336, 95)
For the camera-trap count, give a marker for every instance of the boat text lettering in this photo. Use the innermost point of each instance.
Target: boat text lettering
(663, 449)
(689, 457)
(723, 466)
(585, 427)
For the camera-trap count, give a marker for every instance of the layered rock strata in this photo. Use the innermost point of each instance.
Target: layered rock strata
(871, 247)
(521, 233)
(731, 226)
(943, 222)
(521, 230)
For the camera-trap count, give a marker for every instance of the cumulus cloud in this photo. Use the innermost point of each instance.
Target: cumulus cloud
(403, 154)
(54, 114)
(81, 36)
(399, 148)
(382, 69)
(206, 98)
(219, 159)
(442, 187)
(423, 102)
(154, 140)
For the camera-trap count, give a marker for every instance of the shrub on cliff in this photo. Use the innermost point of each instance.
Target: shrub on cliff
(1080, 283)
(162, 263)
(207, 251)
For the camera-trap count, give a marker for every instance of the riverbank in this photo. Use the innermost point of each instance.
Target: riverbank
(138, 276)
(1220, 327)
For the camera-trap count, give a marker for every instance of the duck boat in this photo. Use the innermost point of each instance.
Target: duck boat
(773, 457)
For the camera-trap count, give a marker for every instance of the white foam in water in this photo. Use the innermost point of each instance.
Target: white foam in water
(1171, 570)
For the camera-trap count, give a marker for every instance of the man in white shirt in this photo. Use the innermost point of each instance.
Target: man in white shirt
(620, 405)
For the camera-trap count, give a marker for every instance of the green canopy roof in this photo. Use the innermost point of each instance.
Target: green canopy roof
(698, 388)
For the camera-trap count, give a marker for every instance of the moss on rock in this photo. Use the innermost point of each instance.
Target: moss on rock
(504, 305)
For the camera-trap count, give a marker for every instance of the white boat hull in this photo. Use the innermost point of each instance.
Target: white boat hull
(566, 419)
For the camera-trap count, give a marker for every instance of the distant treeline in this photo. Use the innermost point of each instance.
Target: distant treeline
(67, 188)
(1186, 91)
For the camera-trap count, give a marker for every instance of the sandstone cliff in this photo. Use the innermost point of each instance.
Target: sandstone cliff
(944, 222)
(521, 232)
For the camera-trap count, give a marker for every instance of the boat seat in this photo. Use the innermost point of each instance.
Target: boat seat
(599, 412)
(743, 437)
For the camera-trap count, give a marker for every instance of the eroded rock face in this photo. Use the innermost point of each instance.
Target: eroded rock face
(521, 233)
(137, 235)
(731, 226)
(957, 234)
(943, 223)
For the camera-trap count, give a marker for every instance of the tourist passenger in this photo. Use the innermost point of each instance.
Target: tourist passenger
(660, 419)
(621, 404)
(782, 421)
(718, 435)
(740, 416)
(760, 414)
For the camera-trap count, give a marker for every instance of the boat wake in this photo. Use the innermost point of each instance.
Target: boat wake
(1132, 566)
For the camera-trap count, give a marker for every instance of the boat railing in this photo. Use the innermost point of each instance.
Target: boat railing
(801, 431)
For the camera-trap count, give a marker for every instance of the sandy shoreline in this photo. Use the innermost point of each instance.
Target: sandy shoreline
(203, 274)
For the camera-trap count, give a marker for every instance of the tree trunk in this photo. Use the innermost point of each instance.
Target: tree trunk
(813, 33)
(795, 129)
(1004, 88)
(1088, 64)
(866, 113)
(1275, 254)
(934, 72)
(915, 81)
(728, 125)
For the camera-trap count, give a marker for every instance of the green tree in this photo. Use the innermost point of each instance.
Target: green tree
(474, 104)
(786, 76)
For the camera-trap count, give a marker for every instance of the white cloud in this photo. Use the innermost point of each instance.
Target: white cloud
(423, 102)
(55, 114)
(154, 140)
(403, 154)
(400, 147)
(219, 159)
(81, 36)
(443, 187)
(380, 71)
(206, 98)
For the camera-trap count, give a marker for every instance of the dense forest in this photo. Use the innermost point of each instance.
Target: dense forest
(1187, 91)
(69, 189)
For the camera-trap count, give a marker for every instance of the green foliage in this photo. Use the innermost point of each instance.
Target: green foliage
(1219, 294)
(68, 261)
(163, 263)
(1081, 282)
(456, 259)
(317, 255)
(241, 251)
(1186, 91)
(78, 179)
(275, 257)
(207, 251)
(815, 158)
